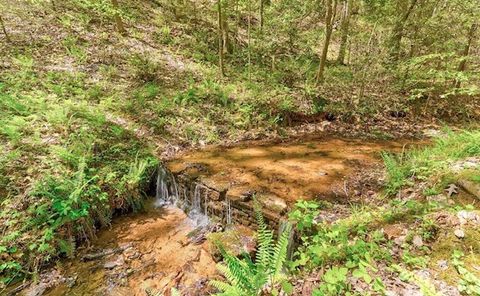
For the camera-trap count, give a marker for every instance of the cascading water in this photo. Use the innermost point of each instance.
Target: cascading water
(162, 195)
(167, 193)
(228, 212)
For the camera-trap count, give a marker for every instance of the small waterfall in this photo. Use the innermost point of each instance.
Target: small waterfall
(228, 212)
(196, 200)
(206, 204)
(162, 194)
(175, 187)
(168, 192)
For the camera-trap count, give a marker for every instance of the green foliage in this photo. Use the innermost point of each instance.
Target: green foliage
(266, 274)
(208, 91)
(469, 284)
(334, 282)
(426, 286)
(396, 174)
(63, 164)
(433, 161)
(304, 214)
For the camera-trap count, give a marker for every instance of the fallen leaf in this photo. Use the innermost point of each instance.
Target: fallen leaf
(451, 190)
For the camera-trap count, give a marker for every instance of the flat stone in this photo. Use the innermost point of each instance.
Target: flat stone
(273, 203)
(470, 186)
(236, 241)
(114, 263)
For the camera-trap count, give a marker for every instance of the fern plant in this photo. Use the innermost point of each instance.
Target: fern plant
(266, 275)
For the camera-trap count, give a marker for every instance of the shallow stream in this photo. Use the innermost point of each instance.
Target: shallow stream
(153, 251)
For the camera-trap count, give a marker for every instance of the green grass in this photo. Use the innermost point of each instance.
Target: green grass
(433, 163)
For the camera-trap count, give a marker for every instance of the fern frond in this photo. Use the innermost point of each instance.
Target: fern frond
(236, 271)
(265, 242)
(226, 289)
(280, 251)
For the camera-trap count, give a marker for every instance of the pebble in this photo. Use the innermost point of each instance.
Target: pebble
(418, 241)
(459, 233)
(442, 264)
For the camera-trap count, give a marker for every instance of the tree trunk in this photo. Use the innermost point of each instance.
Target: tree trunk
(262, 8)
(118, 19)
(220, 39)
(466, 51)
(7, 37)
(397, 32)
(345, 27)
(249, 37)
(329, 17)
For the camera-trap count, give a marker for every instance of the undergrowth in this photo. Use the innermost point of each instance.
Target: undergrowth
(64, 169)
(434, 163)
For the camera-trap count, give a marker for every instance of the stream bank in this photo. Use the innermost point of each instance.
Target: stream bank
(160, 248)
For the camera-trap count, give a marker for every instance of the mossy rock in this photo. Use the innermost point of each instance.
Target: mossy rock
(236, 241)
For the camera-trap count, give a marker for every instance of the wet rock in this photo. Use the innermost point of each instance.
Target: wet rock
(199, 234)
(115, 263)
(37, 290)
(446, 289)
(247, 195)
(236, 241)
(273, 203)
(47, 280)
(459, 233)
(106, 252)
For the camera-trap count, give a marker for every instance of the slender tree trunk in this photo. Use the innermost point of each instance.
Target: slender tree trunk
(220, 39)
(345, 31)
(2, 24)
(466, 51)
(262, 8)
(329, 17)
(118, 19)
(249, 31)
(397, 32)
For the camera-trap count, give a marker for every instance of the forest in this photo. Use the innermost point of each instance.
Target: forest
(240, 147)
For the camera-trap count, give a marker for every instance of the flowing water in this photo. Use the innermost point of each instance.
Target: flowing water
(152, 250)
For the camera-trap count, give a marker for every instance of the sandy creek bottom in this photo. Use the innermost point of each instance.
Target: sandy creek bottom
(153, 254)
(150, 251)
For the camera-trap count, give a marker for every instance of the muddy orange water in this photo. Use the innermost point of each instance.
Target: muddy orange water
(155, 255)
(291, 171)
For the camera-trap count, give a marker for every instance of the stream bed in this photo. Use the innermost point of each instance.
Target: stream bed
(155, 250)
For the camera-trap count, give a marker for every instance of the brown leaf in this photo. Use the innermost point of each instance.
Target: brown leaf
(451, 190)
